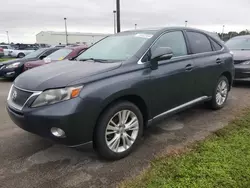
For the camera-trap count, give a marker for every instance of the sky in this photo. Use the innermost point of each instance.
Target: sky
(23, 19)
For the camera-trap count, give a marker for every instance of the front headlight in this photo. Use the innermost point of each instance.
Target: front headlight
(246, 63)
(56, 95)
(13, 65)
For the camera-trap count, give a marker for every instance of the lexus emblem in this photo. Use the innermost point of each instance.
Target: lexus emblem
(14, 95)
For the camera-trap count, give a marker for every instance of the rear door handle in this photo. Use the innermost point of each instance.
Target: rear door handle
(189, 67)
(219, 61)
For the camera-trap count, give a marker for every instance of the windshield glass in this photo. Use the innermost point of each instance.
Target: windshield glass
(60, 54)
(117, 47)
(239, 44)
(35, 53)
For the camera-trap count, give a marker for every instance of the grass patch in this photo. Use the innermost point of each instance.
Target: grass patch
(221, 161)
(5, 59)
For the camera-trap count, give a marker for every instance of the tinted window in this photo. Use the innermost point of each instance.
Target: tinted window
(175, 40)
(216, 46)
(50, 52)
(35, 53)
(199, 43)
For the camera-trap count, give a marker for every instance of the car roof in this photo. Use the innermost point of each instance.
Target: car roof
(167, 28)
(242, 37)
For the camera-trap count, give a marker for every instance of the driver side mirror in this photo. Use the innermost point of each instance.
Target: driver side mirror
(42, 57)
(160, 53)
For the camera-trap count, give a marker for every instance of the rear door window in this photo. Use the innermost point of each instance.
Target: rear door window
(199, 43)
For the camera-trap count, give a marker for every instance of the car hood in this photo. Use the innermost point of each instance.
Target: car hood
(241, 55)
(23, 60)
(56, 75)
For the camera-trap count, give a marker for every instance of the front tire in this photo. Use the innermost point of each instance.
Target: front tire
(20, 55)
(118, 130)
(220, 94)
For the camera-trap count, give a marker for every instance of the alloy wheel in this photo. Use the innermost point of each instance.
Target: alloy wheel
(122, 131)
(221, 92)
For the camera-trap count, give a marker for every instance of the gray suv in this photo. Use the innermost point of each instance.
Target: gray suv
(111, 92)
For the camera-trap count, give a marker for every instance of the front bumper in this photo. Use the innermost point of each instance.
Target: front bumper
(10, 73)
(77, 122)
(242, 72)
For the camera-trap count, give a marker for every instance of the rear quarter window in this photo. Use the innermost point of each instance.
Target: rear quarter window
(199, 42)
(217, 47)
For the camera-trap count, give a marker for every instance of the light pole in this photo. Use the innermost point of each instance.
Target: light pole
(114, 11)
(66, 32)
(222, 34)
(186, 23)
(7, 32)
(135, 26)
(118, 16)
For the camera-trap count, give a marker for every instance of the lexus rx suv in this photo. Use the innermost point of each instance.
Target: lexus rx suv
(124, 83)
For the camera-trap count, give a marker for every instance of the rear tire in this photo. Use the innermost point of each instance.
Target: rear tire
(118, 130)
(20, 55)
(220, 94)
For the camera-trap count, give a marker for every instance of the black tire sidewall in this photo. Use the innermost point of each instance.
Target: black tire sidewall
(215, 105)
(21, 55)
(99, 135)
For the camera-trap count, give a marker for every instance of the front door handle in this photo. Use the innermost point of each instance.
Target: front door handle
(189, 67)
(219, 61)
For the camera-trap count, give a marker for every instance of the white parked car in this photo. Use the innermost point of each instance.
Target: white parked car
(20, 53)
(7, 49)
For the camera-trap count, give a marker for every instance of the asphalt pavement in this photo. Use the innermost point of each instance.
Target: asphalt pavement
(28, 161)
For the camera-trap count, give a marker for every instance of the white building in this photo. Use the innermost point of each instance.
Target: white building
(55, 38)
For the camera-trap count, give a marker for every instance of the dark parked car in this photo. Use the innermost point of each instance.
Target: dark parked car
(121, 85)
(12, 68)
(62, 54)
(240, 47)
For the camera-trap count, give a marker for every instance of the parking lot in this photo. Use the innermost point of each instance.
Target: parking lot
(27, 160)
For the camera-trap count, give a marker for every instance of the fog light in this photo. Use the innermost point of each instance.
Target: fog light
(57, 132)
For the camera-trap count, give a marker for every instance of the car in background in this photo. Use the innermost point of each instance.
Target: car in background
(1, 52)
(62, 54)
(122, 84)
(12, 68)
(240, 48)
(20, 53)
(7, 49)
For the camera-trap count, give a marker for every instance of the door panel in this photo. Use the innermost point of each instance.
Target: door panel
(172, 85)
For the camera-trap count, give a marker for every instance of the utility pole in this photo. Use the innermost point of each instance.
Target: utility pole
(135, 26)
(7, 32)
(186, 23)
(114, 11)
(222, 34)
(118, 16)
(66, 32)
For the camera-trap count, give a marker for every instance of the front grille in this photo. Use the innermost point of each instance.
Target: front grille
(238, 62)
(19, 97)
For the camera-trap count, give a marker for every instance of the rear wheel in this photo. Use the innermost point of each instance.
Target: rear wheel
(220, 93)
(118, 130)
(21, 55)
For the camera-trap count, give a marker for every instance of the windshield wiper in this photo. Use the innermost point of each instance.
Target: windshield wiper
(93, 59)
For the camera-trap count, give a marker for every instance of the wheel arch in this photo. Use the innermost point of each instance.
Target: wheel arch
(229, 77)
(133, 98)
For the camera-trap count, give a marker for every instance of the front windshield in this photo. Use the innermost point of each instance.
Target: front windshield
(239, 44)
(60, 54)
(117, 47)
(35, 53)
